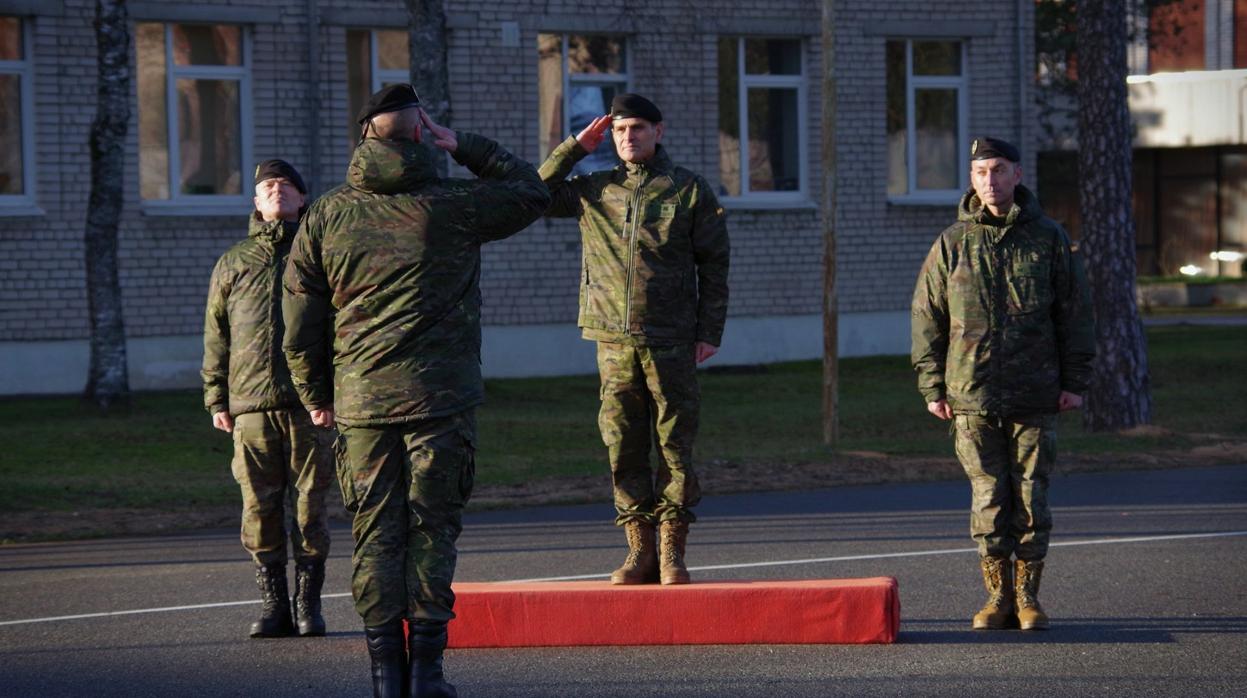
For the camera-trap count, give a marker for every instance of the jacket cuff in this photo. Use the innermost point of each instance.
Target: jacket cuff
(932, 394)
(213, 409)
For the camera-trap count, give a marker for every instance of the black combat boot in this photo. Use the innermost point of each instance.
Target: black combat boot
(309, 577)
(426, 641)
(389, 659)
(275, 613)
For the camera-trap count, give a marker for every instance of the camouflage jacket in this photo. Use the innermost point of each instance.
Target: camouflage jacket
(243, 367)
(386, 268)
(1001, 316)
(655, 249)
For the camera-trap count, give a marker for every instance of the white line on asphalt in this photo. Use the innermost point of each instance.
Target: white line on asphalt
(736, 566)
(882, 556)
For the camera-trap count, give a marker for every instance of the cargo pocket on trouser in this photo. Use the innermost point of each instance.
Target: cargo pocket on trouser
(345, 477)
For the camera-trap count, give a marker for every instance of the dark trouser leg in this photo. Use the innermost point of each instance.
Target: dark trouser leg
(625, 423)
(441, 456)
(374, 477)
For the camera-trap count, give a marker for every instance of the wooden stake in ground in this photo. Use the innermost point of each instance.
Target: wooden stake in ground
(107, 378)
(831, 311)
(1120, 392)
(426, 39)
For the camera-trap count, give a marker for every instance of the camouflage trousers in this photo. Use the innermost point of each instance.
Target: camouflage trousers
(282, 463)
(650, 395)
(1008, 462)
(406, 485)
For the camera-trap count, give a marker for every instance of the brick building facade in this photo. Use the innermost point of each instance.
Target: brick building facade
(916, 81)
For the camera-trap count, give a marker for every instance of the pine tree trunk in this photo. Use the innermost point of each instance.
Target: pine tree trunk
(429, 72)
(108, 380)
(1120, 393)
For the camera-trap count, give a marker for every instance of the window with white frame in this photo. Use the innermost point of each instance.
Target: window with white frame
(16, 114)
(577, 77)
(762, 117)
(926, 119)
(194, 90)
(375, 58)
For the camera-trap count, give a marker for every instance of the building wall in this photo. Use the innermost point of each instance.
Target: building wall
(529, 281)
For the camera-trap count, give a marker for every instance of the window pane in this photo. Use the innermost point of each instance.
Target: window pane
(358, 78)
(729, 118)
(898, 168)
(773, 140)
(935, 123)
(595, 54)
(549, 92)
(772, 57)
(10, 39)
(10, 134)
(392, 51)
(209, 141)
(149, 43)
(201, 44)
(586, 103)
(937, 58)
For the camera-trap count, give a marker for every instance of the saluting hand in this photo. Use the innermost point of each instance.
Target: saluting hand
(594, 133)
(443, 137)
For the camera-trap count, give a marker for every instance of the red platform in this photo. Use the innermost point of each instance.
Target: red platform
(561, 614)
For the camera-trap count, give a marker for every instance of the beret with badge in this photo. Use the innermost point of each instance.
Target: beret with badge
(988, 148)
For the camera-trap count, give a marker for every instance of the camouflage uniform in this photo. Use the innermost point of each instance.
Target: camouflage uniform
(386, 268)
(280, 458)
(1001, 324)
(653, 282)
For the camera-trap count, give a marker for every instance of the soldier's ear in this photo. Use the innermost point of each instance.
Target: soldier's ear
(658, 132)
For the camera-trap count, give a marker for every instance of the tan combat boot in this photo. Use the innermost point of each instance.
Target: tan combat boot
(641, 565)
(997, 613)
(1030, 613)
(671, 552)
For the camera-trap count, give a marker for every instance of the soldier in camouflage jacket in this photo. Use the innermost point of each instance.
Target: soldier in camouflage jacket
(279, 455)
(383, 333)
(1003, 340)
(653, 295)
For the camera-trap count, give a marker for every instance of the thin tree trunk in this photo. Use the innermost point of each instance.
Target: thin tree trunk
(429, 72)
(831, 310)
(107, 379)
(1120, 393)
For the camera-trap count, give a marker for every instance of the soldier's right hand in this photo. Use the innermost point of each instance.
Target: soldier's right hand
(223, 421)
(322, 418)
(594, 133)
(940, 409)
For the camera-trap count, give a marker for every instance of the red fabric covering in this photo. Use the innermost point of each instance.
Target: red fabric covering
(557, 614)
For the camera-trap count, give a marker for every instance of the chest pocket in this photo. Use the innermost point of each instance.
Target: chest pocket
(1030, 287)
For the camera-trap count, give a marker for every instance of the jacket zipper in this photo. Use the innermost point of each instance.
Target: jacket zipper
(634, 216)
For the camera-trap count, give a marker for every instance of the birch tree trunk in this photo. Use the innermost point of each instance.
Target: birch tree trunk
(107, 378)
(426, 32)
(1120, 393)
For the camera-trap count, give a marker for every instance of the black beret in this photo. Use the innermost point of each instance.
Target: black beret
(987, 148)
(387, 99)
(628, 105)
(279, 168)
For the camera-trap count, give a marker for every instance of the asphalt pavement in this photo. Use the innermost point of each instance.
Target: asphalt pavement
(1146, 585)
